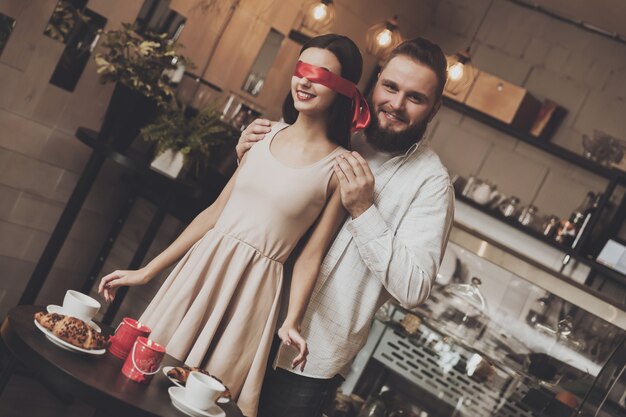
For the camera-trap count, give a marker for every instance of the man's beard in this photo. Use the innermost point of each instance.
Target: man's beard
(393, 142)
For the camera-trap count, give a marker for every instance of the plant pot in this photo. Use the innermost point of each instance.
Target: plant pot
(127, 113)
(169, 163)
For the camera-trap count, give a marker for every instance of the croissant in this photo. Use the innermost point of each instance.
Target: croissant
(71, 330)
(48, 320)
(181, 373)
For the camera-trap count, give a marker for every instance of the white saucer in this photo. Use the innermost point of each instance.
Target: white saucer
(67, 346)
(166, 369)
(59, 310)
(177, 395)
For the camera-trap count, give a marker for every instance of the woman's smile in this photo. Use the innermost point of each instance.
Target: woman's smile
(304, 96)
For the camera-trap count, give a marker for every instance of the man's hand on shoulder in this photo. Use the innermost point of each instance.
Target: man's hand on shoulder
(252, 134)
(356, 182)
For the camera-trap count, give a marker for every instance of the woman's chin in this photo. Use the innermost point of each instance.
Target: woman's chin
(310, 111)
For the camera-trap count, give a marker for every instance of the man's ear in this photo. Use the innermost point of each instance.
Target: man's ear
(434, 111)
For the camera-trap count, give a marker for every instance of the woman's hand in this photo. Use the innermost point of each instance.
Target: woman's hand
(252, 134)
(290, 335)
(110, 283)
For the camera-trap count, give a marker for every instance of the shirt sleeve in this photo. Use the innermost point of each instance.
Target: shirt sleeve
(406, 262)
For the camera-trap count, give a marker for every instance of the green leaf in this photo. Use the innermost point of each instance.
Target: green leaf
(138, 62)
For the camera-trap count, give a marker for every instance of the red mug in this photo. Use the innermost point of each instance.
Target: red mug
(125, 335)
(144, 360)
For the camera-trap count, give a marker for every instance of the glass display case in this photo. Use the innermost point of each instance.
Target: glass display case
(492, 342)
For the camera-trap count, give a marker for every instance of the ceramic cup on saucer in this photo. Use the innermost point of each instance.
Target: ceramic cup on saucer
(201, 391)
(79, 305)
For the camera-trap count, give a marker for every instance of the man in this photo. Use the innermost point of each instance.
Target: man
(400, 201)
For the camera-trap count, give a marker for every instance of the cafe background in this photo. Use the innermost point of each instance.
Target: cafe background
(234, 44)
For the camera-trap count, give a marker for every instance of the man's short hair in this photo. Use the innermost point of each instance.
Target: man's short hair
(427, 53)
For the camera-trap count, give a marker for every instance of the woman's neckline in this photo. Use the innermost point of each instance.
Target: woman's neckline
(319, 161)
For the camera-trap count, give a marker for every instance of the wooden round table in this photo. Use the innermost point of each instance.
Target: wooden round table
(96, 380)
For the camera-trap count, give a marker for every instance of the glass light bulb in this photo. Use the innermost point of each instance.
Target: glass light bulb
(320, 12)
(384, 38)
(456, 71)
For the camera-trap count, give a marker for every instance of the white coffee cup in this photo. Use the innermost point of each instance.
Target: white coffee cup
(79, 305)
(201, 391)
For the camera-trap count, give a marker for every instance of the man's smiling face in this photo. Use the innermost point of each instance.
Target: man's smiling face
(404, 100)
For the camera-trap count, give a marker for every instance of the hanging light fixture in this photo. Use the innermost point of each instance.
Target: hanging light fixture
(383, 37)
(461, 72)
(318, 17)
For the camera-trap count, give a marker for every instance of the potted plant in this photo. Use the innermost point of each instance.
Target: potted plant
(64, 19)
(184, 140)
(140, 66)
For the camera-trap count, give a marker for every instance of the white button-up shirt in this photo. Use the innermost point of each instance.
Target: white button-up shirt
(391, 250)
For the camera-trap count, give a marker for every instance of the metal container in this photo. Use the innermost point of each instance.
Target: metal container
(550, 226)
(509, 207)
(527, 215)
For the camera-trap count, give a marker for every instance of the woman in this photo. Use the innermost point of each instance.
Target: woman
(218, 308)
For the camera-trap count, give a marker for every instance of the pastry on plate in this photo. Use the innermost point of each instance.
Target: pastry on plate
(181, 373)
(72, 330)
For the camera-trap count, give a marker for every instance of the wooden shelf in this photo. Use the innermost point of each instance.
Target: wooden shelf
(614, 176)
(512, 221)
(541, 143)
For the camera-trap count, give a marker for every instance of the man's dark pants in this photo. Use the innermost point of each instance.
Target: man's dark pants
(286, 394)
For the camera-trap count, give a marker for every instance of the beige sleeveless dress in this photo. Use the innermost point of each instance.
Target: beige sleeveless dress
(218, 308)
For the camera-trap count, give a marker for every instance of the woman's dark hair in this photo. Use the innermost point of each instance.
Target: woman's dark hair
(340, 112)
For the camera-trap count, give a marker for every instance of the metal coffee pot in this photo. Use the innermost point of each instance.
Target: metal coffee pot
(484, 192)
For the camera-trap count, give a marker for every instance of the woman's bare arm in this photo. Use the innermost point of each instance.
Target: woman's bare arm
(306, 270)
(200, 225)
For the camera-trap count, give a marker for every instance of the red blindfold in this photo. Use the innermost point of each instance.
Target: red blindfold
(361, 116)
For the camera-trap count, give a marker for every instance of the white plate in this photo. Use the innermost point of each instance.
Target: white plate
(68, 346)
(59, 310)
(166, 369)
(177, 395)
